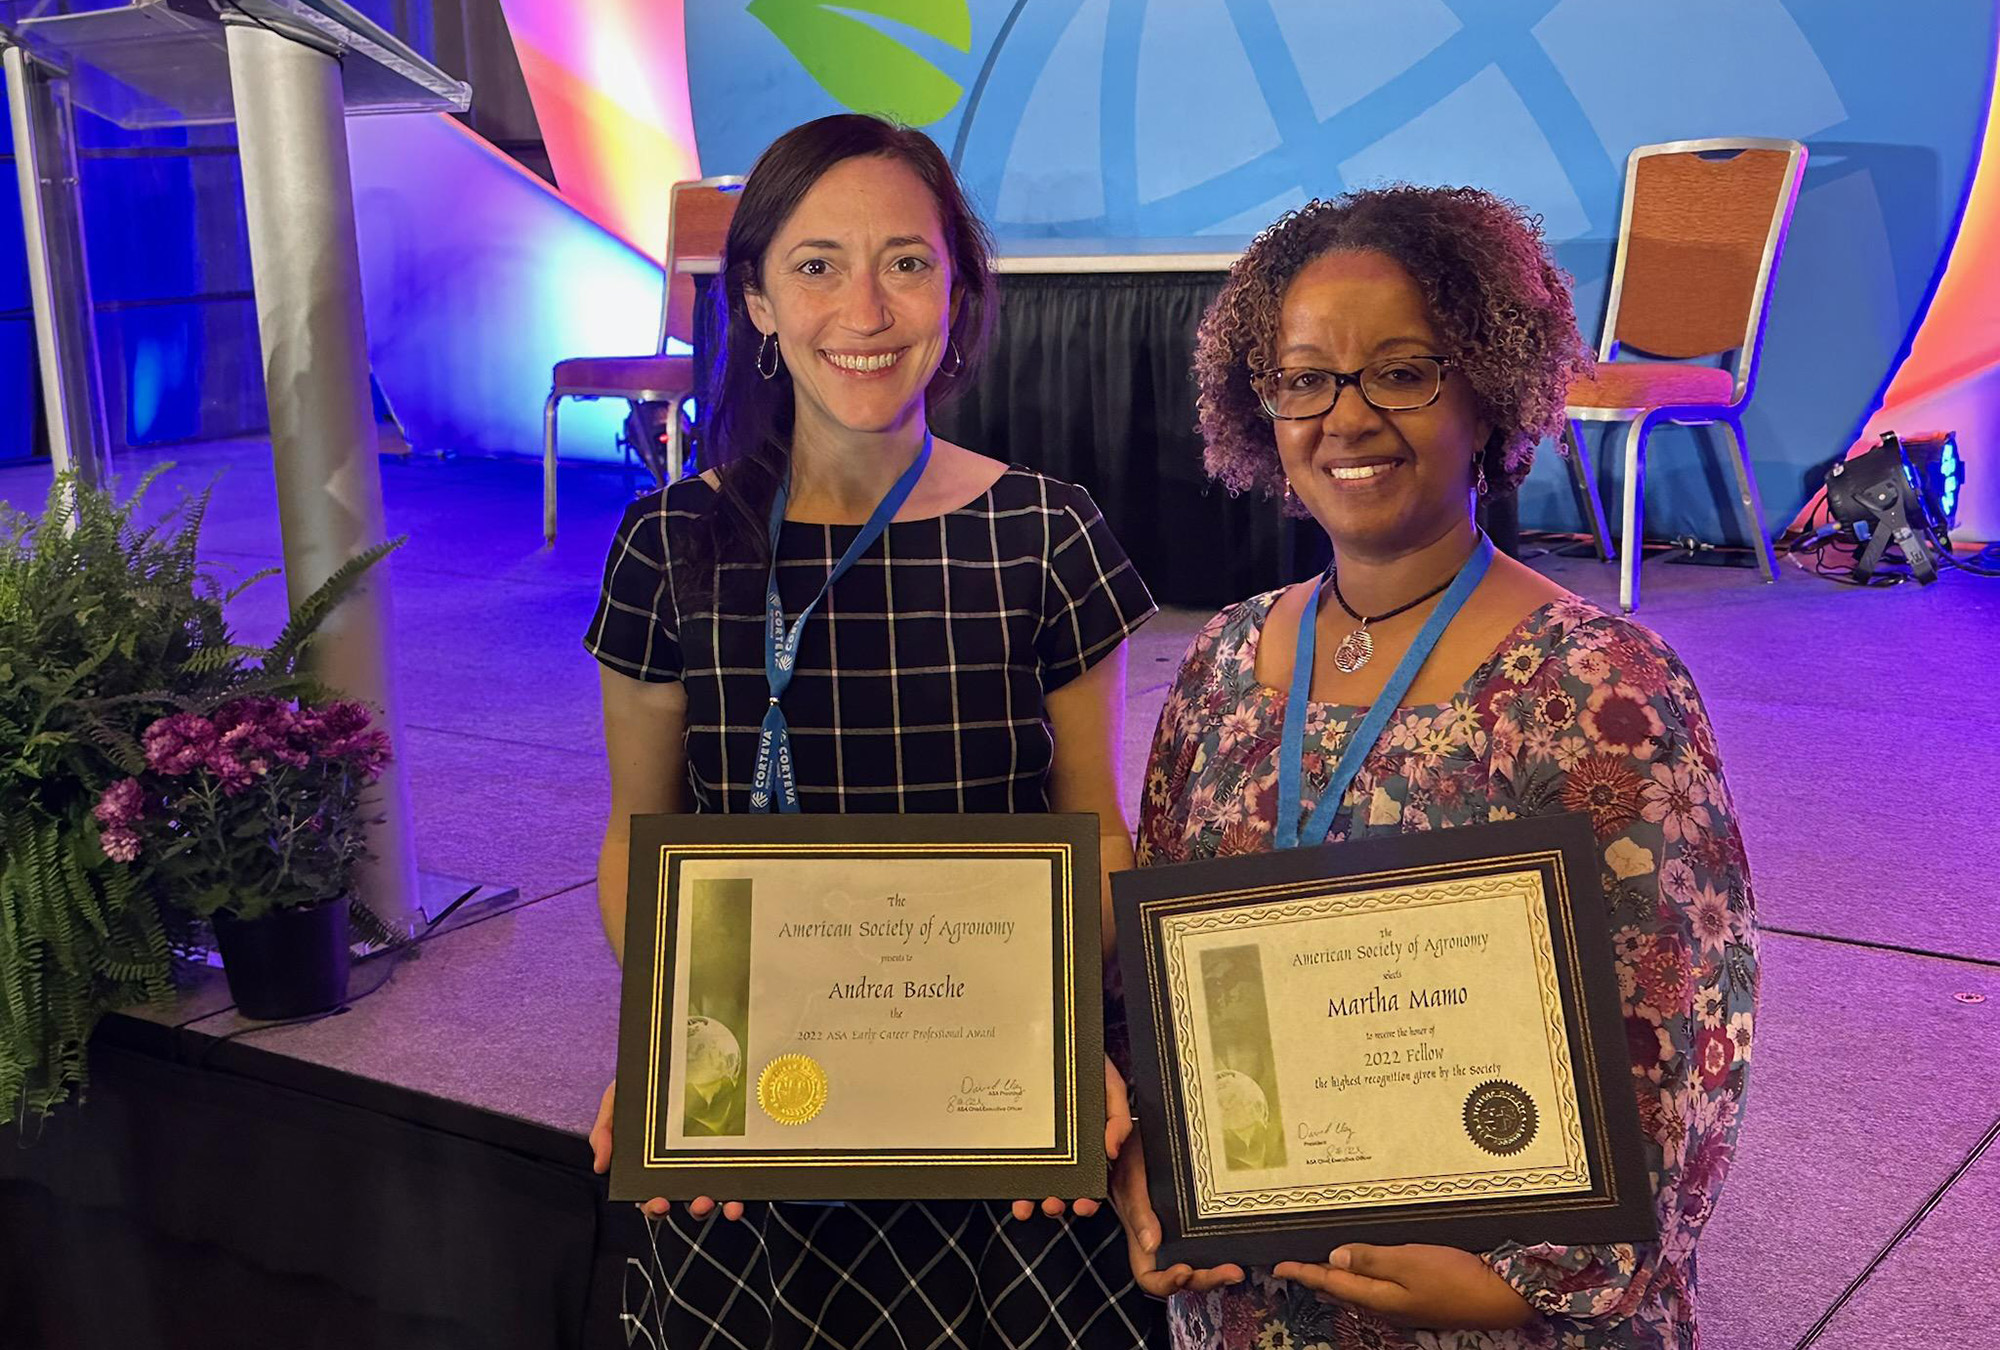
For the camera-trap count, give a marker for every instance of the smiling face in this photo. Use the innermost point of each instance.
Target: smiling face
(857, 287)
(1380, 484)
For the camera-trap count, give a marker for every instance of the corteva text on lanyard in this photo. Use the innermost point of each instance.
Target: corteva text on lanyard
(1291, 745)
(775, 783)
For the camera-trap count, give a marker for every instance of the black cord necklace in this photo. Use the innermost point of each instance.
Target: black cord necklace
(1355, 649)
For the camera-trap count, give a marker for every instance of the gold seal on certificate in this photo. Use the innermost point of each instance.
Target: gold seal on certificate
(792, 1089)
(1406, 1039)
(853, 1007)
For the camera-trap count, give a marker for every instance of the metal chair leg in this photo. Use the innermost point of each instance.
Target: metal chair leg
(1752, 500)
(1632, 536)
(1583, 478)
(549, 468)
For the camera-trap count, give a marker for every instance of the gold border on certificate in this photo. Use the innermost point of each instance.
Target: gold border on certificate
(1523, 889)
(1273, 1134)
(1067, 1150)
(1297, 1207)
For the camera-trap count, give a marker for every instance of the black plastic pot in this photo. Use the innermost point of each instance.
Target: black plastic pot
(288, 962)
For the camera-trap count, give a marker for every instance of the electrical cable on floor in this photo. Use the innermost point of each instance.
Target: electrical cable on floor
(388, 973)
(1910, 1225)
(399, 949)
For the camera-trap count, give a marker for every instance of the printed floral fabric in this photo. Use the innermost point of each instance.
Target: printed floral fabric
(1577, 711)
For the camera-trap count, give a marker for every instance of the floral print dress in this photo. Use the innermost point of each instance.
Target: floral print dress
(1576, 711)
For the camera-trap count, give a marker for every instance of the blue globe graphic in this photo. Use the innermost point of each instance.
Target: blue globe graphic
(1099, 118)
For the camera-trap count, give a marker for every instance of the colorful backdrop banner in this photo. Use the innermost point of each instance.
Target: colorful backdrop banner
(1172, 118)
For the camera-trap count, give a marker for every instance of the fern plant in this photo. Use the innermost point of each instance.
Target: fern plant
(106, 624)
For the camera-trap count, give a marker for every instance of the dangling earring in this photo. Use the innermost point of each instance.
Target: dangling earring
(1291, 497)
(1481, 485)
(957, 360)
(770, 345)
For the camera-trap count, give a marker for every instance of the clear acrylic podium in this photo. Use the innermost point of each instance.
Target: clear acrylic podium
(287, 72)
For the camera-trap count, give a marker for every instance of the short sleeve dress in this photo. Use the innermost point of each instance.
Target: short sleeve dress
(1576, 711)
(920, 687)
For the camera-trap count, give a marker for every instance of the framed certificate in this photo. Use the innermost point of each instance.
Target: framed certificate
(1408, 1039)
(850, 1007)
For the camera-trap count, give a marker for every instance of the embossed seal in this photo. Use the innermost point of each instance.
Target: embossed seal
(1500, 1117)
(792, 1089)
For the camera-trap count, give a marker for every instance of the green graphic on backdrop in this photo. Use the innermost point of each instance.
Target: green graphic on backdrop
(864, 68)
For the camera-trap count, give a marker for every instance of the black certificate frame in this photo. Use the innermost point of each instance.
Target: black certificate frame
(1562, 849)
(1073, 1165)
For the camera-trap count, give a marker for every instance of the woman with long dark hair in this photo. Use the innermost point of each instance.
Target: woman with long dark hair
(959, 628)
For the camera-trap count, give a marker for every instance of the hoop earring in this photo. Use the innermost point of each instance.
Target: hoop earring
(769, 344)
(957, 360)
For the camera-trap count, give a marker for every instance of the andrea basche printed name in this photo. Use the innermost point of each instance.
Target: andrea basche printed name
(863, 987)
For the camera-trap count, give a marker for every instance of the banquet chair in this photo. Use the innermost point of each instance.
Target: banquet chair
(1698, 243)
(698, 215)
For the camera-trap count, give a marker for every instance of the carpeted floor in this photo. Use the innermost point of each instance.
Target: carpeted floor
(1858, 734)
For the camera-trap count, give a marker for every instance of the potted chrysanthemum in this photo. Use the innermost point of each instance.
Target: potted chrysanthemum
(252, 817)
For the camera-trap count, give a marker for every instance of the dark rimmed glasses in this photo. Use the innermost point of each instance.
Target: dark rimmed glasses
(1396, 384)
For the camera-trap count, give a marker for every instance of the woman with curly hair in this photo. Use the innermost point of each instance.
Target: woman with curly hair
(1381, 360)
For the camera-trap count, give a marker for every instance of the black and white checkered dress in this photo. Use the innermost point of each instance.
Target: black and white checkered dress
(920, 687)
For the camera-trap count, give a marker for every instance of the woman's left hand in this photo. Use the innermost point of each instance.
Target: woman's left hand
(1435, 1288)
(1117, 1129)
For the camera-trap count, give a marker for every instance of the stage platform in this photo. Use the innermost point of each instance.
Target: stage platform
(413, 1172)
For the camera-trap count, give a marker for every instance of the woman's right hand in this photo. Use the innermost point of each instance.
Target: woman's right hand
(600, 1161)
(1142, 1232)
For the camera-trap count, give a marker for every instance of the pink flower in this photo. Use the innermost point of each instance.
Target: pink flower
(342, 731)
(250, 734)
(178, 744)
(1620, 718)
(1712, 922)
(1540, 745)
(1638, 662)
(1408, 731)
(1677, 881)
(1592, 667)
(119, 842)
(1678, 1108)
(1677, 801)
(122, 803)
(1704, 1168)
(1239, 724)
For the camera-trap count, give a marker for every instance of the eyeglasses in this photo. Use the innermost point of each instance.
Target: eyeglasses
(1398, 384)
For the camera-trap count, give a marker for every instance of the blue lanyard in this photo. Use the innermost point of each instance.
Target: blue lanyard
(775, 782)
(1291, 745)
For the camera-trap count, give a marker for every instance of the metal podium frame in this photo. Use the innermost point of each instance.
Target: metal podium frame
(288, 72)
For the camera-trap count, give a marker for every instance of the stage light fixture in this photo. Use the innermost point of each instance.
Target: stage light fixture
(1875, 494)
(1939, 474)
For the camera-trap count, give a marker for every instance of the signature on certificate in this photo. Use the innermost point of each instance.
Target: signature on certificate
(982, 1094)
(1336, 1133)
